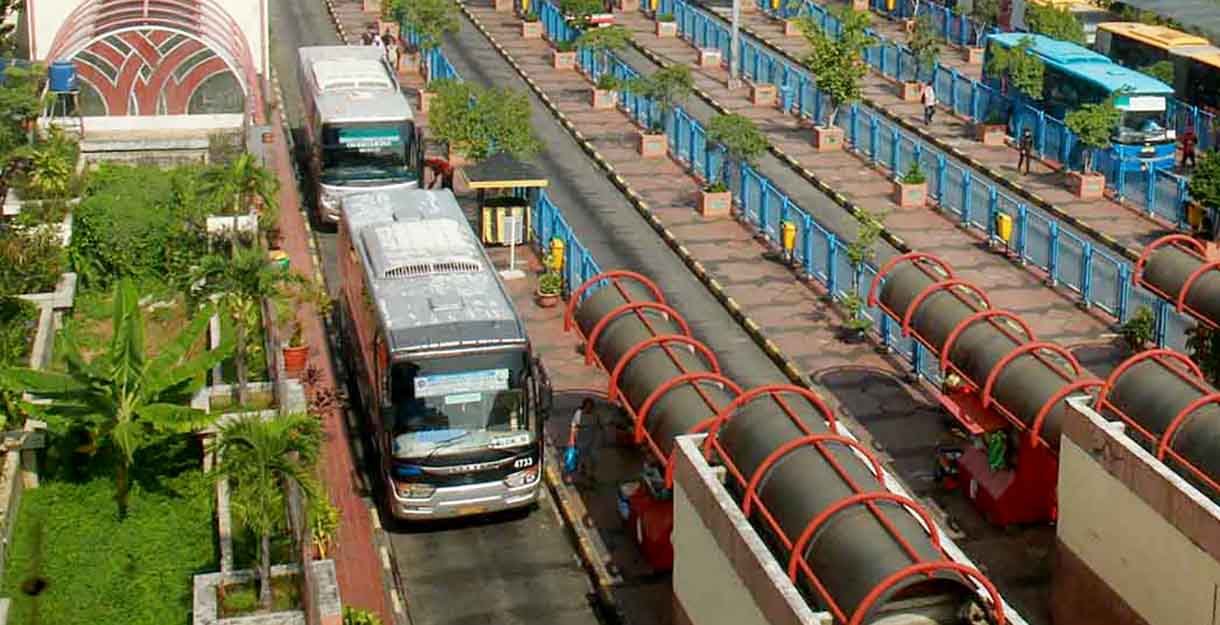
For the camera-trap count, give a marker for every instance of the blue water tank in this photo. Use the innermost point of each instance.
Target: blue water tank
(63, 76)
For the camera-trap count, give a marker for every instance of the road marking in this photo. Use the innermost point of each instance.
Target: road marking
(397, 601)
(385, 557)
(375, 518)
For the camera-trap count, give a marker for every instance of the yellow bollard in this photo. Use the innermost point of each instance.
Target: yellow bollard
(652, 4)
(525, 7)
(889, 5)
(1194, 215)
(774, 5)
(555, 259)
(1003, 227)
(787, 231)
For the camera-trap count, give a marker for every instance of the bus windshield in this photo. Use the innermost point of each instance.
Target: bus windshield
(367, 151)
(463, 401)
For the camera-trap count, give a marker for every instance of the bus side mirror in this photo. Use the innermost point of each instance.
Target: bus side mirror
(546, 395)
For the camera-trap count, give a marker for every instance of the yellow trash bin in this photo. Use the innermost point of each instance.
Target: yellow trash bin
(1003, 227)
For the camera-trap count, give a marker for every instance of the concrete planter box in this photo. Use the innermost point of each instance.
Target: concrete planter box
(827, 139)
(651, 145)
(792, 28)
(408, 64)
(973, 56)
(602, 99)
(1087, 186)
(763, 94)
(909, 91)
(563, 60)
(667, 29)
(629, 5)
(425, 100)
(531, 30)
(217, 224)
(206, 609)
(718, 204)
(709, 57)
(991, 134)
(859, 5)
(910, 195)
(502, 6)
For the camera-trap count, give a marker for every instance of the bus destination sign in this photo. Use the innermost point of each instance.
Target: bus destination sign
(466, 382)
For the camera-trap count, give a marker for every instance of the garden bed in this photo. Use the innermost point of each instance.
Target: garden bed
(73, 562)
(18, 329)
(256, 350)
(241, 598)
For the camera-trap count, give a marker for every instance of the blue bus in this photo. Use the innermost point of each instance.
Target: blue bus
(1075, 76)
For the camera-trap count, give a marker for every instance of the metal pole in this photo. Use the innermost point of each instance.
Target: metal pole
(735, 48)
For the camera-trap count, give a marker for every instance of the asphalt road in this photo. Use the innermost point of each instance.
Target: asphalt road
(506, 570)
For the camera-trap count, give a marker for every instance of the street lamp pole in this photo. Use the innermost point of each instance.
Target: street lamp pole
(735, 48)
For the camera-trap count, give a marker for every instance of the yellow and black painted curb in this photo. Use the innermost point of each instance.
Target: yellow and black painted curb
(752, 329)
(1107, 240)
(838, 198)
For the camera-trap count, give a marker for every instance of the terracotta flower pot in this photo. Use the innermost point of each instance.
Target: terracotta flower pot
(974, 56)
(531, 30)
(715, 204)
(602, 98)
(990, 134)
(546, 300)
(563, 60)
(763, 94)
(1087, 186)
(709, 57)
(295, 359)
(827, 139)
(667, 29)
(910, 195)
(651, 145)
(909, 91)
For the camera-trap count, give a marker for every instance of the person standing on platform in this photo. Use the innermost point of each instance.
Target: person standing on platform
(1026, 150)
(928, 98)
(1189, 141)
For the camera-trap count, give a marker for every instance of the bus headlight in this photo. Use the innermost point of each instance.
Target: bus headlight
(522, 478)
(414, 491)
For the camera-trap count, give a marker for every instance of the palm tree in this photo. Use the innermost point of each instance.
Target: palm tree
(260, 458)
(124, 397)
(242, 181)
(240, 283)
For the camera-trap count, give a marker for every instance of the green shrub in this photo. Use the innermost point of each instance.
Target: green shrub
(914, 175)
(356, 616)
(31, 260)
(142, 222)
(18, 323)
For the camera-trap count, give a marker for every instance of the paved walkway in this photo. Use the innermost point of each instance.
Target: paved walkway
(356, 561)
(1053, 316)
(1125, 223)
(866, 388)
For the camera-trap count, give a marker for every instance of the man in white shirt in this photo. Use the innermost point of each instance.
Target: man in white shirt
(928, 98)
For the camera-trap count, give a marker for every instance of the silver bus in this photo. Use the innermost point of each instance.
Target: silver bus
(441, 358)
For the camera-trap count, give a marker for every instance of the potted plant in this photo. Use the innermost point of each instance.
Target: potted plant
(925, 47)
(911, 190)
(992, 130)
(1139, 330)
(1204, 187)
(564, 55)
(475, 122)
(1094, 125)
(838, 65)
(1018, 67)
(857, 324)
(603, 91)
(741, 141)
(430, 20)
(296, 351)
(664, 87)
(666, 26)
(550, 287)
(715, 200)
(984, 13)
(531, 28)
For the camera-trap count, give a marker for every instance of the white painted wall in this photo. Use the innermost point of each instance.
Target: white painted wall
(45, 17)
(1159, 571)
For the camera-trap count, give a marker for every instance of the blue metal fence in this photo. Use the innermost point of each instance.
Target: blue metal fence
(439, 67)
(1093, 275)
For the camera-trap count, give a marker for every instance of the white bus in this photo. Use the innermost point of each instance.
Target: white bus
(450, 389)
(360, 128)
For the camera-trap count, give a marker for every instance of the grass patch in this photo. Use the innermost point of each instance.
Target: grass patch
(241, 599)
(98, 570)
(165, 316)
(245, 548)
(259, 400)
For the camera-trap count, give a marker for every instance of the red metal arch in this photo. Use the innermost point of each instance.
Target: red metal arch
(621, 365)
(641, 415)
(1196, 246)
(1035, 430)
(794, 444)
(897, 260)
(628, 307)
(943, 285)
(1190, 282)
(769, 389)
(1172, 429)
(612, 276)
(987, 313)
(1140, 357)
(926, 568)
(802, 541)
(1027, 348)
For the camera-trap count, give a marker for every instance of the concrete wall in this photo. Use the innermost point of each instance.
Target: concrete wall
(44, 17)
(723, 572)
(1137, 543)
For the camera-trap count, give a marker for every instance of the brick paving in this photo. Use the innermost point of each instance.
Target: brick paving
(1018, 289)
(356, 562)
(1125, 223)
